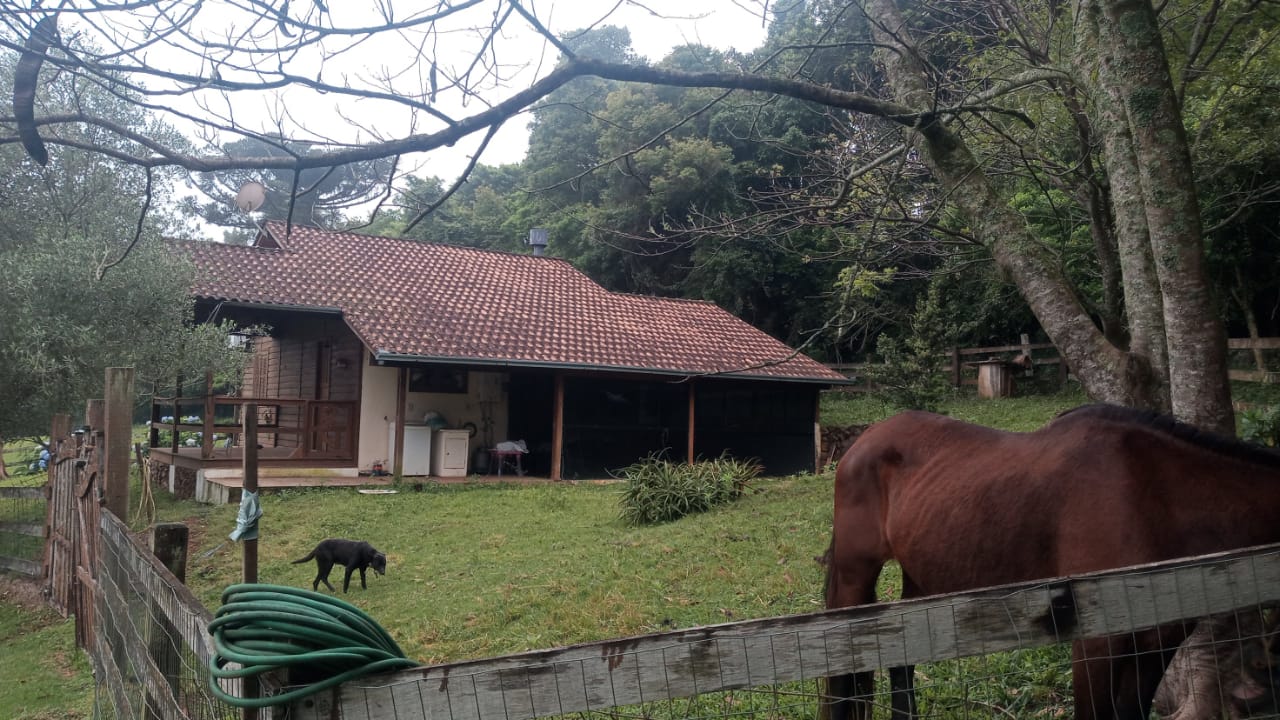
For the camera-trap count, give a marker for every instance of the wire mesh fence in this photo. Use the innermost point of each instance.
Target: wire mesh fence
(999, 652)
(151, 646)
(22, 514)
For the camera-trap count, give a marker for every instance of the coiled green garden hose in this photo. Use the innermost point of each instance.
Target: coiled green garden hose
(269, 627)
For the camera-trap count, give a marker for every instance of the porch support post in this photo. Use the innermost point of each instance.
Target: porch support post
(692, 416)
(177, 415)
(153, 432)
(402, 398)
(557, 427)
(118, 429)
(206, 437)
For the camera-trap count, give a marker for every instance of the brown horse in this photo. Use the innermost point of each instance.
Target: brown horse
(961, 506)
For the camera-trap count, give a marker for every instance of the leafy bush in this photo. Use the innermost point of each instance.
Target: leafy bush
(659, 490)
(1261, 425)
(913, 376)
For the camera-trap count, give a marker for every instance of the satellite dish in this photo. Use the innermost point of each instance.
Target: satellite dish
(251, 196)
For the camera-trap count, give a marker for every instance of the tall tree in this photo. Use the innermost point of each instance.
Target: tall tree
(1107, 59)
(87, 283)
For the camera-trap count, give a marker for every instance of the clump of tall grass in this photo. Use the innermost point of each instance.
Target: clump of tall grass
(659, 490)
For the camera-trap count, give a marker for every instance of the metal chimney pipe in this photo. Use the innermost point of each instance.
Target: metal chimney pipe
(538, 240)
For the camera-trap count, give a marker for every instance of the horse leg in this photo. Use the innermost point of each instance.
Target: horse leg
(902, 682)
(1091, 666)
(1140, 672)
(1116, 677)
(848, 697)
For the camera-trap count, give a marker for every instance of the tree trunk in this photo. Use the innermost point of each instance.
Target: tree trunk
(1132, 51)
(1142, 297)
(1107, 373)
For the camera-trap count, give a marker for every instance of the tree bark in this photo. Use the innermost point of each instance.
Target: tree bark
(1132, 52)
(1142, 297)
(1106, 372)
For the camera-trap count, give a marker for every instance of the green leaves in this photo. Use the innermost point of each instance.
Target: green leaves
(659, 490)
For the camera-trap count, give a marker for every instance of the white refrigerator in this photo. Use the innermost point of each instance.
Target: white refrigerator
(417, 449)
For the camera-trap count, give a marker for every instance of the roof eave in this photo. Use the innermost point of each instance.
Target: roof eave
(292, 307)
(383, 356)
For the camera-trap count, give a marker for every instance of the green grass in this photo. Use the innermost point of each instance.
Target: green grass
(480, 571)
(1016, 413)
(45, 676)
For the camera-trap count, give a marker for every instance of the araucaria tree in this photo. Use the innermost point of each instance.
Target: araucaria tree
(1001, 106)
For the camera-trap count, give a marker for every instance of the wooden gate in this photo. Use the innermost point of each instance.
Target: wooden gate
(61, 550)
(75, 497)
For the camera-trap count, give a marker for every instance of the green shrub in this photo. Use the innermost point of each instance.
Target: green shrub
(1261, 425)
(659, 490)
(913, 375)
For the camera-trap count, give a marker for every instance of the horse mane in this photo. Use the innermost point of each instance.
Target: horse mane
(1167, 424)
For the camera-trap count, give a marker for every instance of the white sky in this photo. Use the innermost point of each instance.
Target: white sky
(396, 62)
(720, 24)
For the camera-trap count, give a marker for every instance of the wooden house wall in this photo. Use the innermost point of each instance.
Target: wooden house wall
(287, 365)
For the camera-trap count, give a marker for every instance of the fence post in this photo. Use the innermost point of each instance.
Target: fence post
(251, 688)
(93, 420)
(168, 542)
(118, 426)
(59, 429)
(955, 366)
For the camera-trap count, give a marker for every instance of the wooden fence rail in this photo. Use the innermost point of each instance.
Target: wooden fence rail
(960, 358)
(650, 668)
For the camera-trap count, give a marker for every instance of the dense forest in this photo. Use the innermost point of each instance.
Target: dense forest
(878, 179)
(821, 227)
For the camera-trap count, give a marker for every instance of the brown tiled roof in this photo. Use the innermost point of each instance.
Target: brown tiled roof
(414, 300)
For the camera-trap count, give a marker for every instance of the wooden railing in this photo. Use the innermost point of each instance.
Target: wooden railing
(962, 358)
(320, 436)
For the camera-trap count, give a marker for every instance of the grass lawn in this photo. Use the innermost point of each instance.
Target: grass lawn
(479, 571)
(45, 676)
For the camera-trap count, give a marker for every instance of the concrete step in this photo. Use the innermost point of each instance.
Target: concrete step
(223, 490)
(265, 472)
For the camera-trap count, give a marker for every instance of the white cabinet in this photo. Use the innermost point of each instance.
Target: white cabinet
(417, 449)
(449, 453)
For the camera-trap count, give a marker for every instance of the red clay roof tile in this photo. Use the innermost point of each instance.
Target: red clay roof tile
(415, 299)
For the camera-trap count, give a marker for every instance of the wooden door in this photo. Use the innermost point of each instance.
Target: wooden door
(330, 430)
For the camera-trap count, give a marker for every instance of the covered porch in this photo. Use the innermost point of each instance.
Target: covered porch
(197, 446)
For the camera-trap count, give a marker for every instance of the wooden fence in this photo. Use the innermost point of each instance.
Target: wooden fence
(146, 635)
(962, 366)
(643, 670)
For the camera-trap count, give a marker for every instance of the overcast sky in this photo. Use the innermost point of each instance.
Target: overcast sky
(721, 24)
(401, 60)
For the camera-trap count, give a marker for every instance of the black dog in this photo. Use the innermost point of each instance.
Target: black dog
(351, 554)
